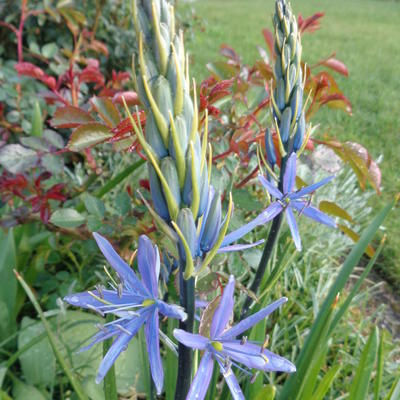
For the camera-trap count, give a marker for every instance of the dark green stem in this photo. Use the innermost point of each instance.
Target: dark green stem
(266, 255)
(185, 358)
(269, 246)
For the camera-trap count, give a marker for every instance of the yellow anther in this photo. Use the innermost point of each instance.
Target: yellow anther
(148, 303)
(217, 346)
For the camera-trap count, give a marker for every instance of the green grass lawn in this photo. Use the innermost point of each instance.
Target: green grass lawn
(366, 36)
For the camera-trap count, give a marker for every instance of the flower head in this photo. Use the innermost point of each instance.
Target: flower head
(134, 302)
(287, 201)
(223, 347)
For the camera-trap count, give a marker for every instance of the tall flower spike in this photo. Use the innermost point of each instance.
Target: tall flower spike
(287, 96)
(287, 201)
(172, 123)
(223, 347)
(178, 168)
(134, 302)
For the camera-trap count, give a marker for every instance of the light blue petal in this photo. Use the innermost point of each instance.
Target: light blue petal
(171, 310)
(201, 381)
(239, 247)
(147, 263)
(224, 311)
(119, 345)
(272, 190)
(267, 215)
(250, 321)
(192, 340)
(153, 349)
(125, 273)
(309, 189)
(291, 220)
(86, 300)
(289, 177)
(232, 383)
(313, 213)
(250, 355)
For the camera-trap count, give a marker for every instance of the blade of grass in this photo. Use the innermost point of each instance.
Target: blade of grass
(60, 359)
(307, 354)
(379, 367)
(394, 393)
(343, 308)
(359, 388)
(326, 383)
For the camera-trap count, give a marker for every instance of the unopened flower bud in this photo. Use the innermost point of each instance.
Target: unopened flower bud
(187, 226)
(299, 135)
(212, 224)
(154, 138)
(157, 195)
(170, 173)
(269, 148)
(284, 127)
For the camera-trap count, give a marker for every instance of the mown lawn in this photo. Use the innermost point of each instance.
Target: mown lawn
(366, 36)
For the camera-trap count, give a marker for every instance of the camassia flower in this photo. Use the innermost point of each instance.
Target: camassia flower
(223, 347)
(134, 302)
(287, 201)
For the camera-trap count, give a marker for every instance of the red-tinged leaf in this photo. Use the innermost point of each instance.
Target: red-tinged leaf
(269, 40)
(229, 53)
(309, 24)
(125, 126)
(333, 209)
(131, 98)
(120, 77)
(107, 110)
(31, 70)
(70, 117)
(88, 135)
(355, 238)
(98, 47)
(336, 65)
(337, 100)
(374, 173)
(91, 74)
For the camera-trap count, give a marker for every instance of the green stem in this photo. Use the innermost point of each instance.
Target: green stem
(266, 255)
(60, 359)
(268, 248)
(110, 385)
(185, 358)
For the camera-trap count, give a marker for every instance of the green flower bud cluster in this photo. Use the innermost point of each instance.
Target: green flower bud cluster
(287, 96)
(178, 166)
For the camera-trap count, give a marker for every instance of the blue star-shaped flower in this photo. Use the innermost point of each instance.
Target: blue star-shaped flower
(287, 201)
(223, 347)
(135, 303)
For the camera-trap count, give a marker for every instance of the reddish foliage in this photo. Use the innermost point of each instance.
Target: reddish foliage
(211, 91)
(31, 70)
(32, 192)
(309, 24)
(125, 127)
